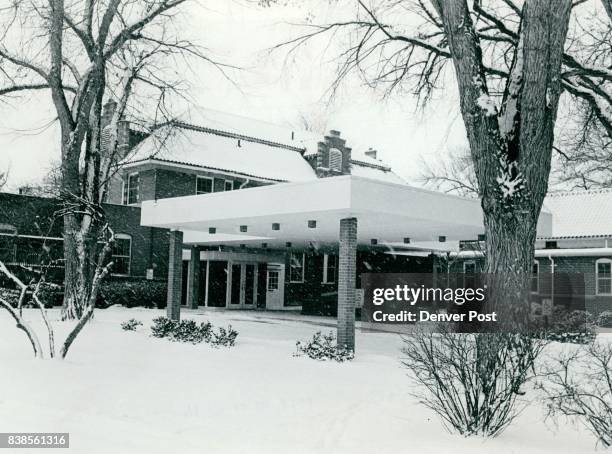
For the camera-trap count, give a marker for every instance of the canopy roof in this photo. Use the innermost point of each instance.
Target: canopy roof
(387, 212)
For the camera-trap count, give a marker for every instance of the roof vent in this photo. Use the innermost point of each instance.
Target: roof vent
(334, 133)
(371, 153)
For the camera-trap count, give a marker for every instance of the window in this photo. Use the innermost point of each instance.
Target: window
(330, 266)
(272, 280)
(122, 252)
(603, 276)
(204, 185)
(130, 189)
(534, 284)
(228, 185)
(335, 159)
(296, 267)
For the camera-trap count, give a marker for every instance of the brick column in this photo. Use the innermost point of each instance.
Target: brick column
(175, 275)
(347, 275)
(193, 290)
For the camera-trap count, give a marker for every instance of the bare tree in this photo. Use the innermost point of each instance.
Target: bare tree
(453, 175)
(578, 385)
(512, 60)
(3, 179)
(86, 52)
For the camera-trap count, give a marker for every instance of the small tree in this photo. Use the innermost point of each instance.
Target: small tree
(578, 385)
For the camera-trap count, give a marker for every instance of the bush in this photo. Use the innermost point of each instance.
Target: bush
(576, 327)
(323, 347)
(189, 331)
(142, 293)
(578, 385)
(472, 381)
(131, 325)
(605, 319)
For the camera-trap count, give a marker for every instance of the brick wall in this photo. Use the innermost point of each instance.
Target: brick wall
(35, 216)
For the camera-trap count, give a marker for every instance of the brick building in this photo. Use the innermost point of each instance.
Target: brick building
(257, 214)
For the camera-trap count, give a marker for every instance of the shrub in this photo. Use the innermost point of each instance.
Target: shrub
(323, 347)
(578, 385)
(189, 331)
(472, 381)
(576, 327)
(142, 293)
(131, 325)
(605, 319)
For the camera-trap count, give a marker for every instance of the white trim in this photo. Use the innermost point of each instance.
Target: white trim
(597, 278)
(546, 253)
(291, 281)
(228, 181)
(32, 237)
(212, 184)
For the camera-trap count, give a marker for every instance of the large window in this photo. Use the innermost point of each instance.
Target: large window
(603, 276)
(534, 284)
(122, 254)
(296, 267)
(204, 185)
(330, 268)
(131, 189)
(335, 159)
(469, 274)
(7, 249)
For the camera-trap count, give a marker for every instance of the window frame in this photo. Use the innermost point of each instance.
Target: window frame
(225, 182)
(123, 236)
(303, 268)
(212, 184)
(326, 263)
(126, 189)
(597, 278)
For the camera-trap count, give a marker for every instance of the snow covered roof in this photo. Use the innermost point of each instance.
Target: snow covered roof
(376, 172)
(228, 151)
(244, 146)
(581, 213)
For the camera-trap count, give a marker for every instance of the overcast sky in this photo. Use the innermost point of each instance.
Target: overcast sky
(269, 88)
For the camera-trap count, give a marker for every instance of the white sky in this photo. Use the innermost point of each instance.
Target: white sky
(269, 89)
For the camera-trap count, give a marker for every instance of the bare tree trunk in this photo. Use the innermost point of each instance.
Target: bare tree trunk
(511, 148)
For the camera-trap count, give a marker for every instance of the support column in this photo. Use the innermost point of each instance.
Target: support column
(193, 292)
(175, 275)
(347, 277)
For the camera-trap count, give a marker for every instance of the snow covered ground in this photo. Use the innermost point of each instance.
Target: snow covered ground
(126, 392)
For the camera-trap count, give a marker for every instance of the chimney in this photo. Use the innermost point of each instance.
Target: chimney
(371, 153)
(334, 133)
(108, 110)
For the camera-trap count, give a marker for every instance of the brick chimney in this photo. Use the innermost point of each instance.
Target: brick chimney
(371, 153)
(108, 110)
(333, 156)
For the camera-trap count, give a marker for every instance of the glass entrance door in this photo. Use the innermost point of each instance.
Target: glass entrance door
(242, 286)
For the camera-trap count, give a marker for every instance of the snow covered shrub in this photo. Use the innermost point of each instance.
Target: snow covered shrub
(225, 337)
(605, 319)
(578, 385)
(323, 347)
(472, 381)
(131, 325)
(189, 331)
(162, 327)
